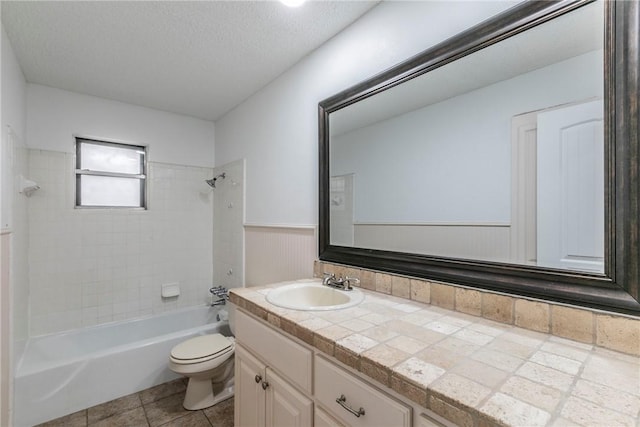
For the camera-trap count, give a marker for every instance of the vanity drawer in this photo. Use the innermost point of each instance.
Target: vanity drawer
(277, 351)
(429, 419)
(332, 382)
(323, 419)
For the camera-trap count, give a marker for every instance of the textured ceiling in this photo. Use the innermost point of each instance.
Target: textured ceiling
(195, 58)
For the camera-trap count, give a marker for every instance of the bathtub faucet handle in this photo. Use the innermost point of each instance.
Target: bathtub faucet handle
(221, 292)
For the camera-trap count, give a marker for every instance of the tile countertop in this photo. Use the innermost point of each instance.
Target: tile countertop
(471, 370)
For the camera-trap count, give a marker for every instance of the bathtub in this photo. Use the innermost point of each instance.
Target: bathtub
(63, 373)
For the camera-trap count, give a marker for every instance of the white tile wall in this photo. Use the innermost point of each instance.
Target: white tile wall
(91, 266)
(228, 220)
(19, 247)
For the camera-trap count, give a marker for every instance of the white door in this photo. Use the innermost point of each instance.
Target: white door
(570, 211)
(286, 407)
(249, 395)
(524, 193)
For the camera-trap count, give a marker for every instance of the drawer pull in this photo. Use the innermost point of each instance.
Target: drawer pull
(258, 378)
(342, 401)
(265, 385)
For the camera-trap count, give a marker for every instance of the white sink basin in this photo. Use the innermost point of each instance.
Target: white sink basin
(313, 296)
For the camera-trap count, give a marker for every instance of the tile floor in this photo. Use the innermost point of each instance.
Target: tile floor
(153, 407)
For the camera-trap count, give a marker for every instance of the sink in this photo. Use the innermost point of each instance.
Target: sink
(313, 295)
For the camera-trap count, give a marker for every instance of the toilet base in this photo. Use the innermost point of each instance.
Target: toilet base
(202, 393)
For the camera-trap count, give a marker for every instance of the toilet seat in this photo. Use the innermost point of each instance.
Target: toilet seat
(202, 349)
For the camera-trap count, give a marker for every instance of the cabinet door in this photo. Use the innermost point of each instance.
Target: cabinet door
(286, 407)
(249, 395)
(291, 359)
(323, 419)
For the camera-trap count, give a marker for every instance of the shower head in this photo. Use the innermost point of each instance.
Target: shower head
(212, 181)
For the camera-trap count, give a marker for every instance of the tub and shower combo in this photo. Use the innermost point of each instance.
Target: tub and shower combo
(63, 373)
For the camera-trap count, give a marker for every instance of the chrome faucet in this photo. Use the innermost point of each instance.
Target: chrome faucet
(221, 292)
(344, 283)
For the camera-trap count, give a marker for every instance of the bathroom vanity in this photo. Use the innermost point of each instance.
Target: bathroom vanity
(390, 361)
(281, 381)
(272, 377)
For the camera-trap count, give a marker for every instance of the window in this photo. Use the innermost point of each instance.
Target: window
(110, 174)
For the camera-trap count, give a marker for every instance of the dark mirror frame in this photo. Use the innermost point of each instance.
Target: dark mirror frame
(619, 288)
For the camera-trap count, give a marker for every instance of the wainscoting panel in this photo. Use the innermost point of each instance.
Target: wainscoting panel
(469, 241)
(278, 253)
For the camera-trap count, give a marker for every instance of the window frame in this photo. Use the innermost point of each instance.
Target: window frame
(78, 172)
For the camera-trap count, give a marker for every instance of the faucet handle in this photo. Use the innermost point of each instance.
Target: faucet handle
(219, 291)
(327, 278)
(349, 281)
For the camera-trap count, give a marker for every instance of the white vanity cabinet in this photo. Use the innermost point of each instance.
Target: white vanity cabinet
(263, 397)
(274, 388)
(249, 395)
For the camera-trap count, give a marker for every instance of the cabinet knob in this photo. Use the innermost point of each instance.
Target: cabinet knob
(258, 378)
(265, 385)
(342, 401)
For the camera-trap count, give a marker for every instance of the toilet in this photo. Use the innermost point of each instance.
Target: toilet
(205, 359)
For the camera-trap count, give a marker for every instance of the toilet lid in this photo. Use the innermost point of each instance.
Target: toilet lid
(200, 347)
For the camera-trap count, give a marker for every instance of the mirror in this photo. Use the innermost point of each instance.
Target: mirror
(489, 158)
(449, 162)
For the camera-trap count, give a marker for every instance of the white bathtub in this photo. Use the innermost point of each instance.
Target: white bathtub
(63, 373)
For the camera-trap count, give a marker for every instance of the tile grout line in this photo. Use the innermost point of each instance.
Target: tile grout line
(557, 413)
(144, 409)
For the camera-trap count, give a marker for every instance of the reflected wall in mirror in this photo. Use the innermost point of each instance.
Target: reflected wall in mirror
(497, 156)
(505, 158)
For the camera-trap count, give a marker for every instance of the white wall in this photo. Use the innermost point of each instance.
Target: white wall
(276, 130)
(13, 227)
(458, 141)
(55, 115)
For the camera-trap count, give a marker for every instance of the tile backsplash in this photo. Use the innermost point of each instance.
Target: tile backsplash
(614, 331)
(91, 266)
